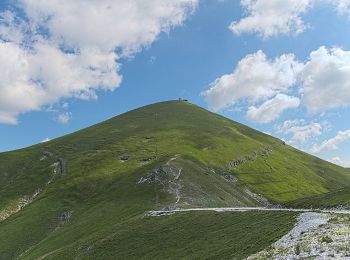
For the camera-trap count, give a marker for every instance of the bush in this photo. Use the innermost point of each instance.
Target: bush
(326, 239)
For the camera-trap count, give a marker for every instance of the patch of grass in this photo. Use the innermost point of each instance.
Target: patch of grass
(297, 249)
(326, 239)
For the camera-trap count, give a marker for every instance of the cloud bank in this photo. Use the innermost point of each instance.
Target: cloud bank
(333, 143)
(255, 78)
(272, 109)
(320, 83)
(71, 49)
(270, 18)
(301, 132)
(339, 161)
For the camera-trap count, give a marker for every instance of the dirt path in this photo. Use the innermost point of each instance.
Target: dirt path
(156, 213)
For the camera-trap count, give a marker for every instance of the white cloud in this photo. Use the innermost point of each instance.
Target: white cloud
(333, 143)
(300, 130)
(108, 24)
(64, 118)
(255, 79)
(45, 74)
(78, 53)
(337, 160)
(272, 17)
(65, 105)
(272, 109)
(343, 6)
(323, 82)
(11, 27)
(326, 80)
(46, 140)
(269, 18)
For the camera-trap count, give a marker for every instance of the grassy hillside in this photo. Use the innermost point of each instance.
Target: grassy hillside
(331, 199)
(87, 186)
(217, 236)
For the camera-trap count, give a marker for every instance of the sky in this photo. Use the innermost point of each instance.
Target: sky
(279, 66)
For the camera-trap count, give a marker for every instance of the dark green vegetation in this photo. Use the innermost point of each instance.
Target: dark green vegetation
(217, 236)
(85, 194)
(328, 200)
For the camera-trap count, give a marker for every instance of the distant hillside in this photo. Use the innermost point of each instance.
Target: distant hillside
(57, 199)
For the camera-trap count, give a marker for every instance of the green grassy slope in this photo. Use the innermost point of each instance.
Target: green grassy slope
(331, 199)
(74, 190)
(217, 236)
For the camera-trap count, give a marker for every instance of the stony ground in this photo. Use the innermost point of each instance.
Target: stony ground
(315, 236)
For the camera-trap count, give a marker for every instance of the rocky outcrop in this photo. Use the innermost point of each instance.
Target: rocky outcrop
(64, 218)
(225, 175)
(166, 175)
(147, 159)
(59, 168)
(125, 157)
(262, 200)
(315, 236)
(19, 205)
(252, 157)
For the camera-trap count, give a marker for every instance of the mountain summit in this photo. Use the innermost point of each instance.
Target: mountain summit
(65, 197)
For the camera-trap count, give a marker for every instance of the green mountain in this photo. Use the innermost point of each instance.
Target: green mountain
(85, 195)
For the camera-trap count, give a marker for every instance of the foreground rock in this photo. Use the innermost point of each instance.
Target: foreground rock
(315, 236)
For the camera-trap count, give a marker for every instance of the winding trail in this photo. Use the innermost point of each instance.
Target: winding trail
(156, 213)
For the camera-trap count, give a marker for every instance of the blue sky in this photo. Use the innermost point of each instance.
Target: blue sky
(267, 70)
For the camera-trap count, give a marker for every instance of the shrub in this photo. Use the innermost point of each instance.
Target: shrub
(326, 239)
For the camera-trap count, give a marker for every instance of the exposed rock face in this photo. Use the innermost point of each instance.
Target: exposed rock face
(252, 157)
(229, 177)
(47, 153)
(65, 218)
(59, 168)
(125, 157)
(168, 176)
(147, 159)
(225, 175)
(19, 205)
(195, 193)
(260, 198)
(165, 175)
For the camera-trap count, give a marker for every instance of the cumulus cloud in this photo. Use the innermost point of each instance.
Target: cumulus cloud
(343, 6)
(70, 49)
(339, 161)
(46, 140)
(326, 80)
(272, 109)
(322, 83)
(256, 78)
(108, 24)
(333, 143)
(300, 130)
(31, 79)
(269, 18)
(64, 118)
